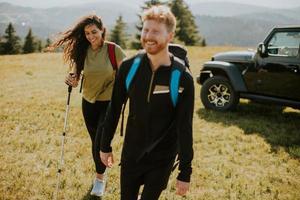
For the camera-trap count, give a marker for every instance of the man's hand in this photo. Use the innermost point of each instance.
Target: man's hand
(182, 187)
(107, 159)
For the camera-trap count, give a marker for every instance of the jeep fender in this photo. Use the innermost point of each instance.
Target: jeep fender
(213, 68)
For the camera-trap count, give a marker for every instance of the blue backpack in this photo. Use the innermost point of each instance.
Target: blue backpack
(181, 62)
(174, 81)
(181, 65)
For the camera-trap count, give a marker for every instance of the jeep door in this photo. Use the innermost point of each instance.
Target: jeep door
(278, 73)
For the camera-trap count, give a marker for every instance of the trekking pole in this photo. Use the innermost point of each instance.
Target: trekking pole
(62, 143)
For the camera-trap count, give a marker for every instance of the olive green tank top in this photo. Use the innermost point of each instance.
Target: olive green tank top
(99, 75)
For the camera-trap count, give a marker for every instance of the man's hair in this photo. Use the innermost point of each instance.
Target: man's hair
(161, 14)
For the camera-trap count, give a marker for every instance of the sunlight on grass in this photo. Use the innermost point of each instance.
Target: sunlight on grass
(252, 153)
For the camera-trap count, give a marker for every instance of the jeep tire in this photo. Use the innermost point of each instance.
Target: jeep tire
(218, 94)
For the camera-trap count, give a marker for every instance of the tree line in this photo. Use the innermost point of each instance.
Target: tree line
(10, 43)
(185, 34)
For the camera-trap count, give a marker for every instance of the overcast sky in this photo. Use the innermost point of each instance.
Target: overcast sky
(53, 3)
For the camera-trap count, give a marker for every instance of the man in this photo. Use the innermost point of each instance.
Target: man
(156, 129)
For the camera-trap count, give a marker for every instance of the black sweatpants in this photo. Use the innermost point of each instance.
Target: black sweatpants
(94, 114)
(153, 176)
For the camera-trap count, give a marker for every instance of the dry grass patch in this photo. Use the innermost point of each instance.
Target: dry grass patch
(249, 154)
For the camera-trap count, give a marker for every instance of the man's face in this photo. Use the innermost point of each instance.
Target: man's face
(155, 36)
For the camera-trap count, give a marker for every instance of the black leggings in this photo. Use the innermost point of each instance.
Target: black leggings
(154, 177)
(94, 114)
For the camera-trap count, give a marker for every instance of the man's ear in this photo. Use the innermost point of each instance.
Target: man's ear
(170, 36)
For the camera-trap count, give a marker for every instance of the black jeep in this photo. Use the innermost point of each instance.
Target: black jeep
(271, 74)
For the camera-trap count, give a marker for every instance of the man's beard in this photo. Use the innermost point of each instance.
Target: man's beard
(154, 50)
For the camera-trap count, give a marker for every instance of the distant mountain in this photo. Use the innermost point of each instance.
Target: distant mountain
(46, 22)
(231, 30)
(65, 3)
(223, 23)
(220, 23)
(242, 30)
(278, 15)
(225, 9)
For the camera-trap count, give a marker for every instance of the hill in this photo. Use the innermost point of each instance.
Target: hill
(47, 22)
(225, 9)
(220, 23)
(242, 30)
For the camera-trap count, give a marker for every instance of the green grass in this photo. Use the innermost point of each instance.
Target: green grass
(252, 153)
(278, 127)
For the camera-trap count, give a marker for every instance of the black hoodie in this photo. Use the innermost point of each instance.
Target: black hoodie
(151, 116)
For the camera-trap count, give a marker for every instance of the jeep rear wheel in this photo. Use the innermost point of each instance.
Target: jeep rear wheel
(218, 94)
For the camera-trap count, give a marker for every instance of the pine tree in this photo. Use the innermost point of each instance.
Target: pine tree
(186, 30)
(203, 42)
(136, 44)
(1, 44)
(118, 34)
(47, 47)
(39, 46)
(10, 42)
(48, 42)
(29, 45)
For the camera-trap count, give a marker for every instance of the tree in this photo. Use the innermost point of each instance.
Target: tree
(48, 42)
(29, 45)
(136, 44)
(186, 30)
(47, 47)
(203, 42)
(10, 42)
(39, 45)
(118, 34)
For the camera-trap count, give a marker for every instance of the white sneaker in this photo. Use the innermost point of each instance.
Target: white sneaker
(98, 187)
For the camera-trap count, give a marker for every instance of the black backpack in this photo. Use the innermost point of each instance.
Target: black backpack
(180, 52)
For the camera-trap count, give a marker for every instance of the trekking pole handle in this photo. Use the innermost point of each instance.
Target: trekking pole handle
(69, 88)
(69, 94)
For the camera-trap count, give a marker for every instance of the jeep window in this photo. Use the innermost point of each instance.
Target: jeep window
(284, 44)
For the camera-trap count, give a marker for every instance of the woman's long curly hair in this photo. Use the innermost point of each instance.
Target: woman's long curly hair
(75, 43)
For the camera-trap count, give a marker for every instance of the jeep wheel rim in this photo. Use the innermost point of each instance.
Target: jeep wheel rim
(219, 95)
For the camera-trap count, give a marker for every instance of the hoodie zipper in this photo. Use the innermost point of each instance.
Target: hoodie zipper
(150, 87)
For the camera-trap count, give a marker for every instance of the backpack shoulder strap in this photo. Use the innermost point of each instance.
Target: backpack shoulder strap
(112, 55)
(176, 73)
(133, 69)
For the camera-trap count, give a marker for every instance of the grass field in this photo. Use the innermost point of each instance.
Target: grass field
(250, 154)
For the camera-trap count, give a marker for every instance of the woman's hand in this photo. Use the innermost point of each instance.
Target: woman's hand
(72, 80)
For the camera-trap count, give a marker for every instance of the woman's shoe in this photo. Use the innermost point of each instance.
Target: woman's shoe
(98, 187)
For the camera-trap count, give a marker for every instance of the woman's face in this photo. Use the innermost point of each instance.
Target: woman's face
(94, 35)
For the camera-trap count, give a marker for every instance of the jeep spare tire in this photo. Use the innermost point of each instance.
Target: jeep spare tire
(218, 94)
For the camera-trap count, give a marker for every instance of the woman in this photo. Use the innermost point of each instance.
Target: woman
(86, 50)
